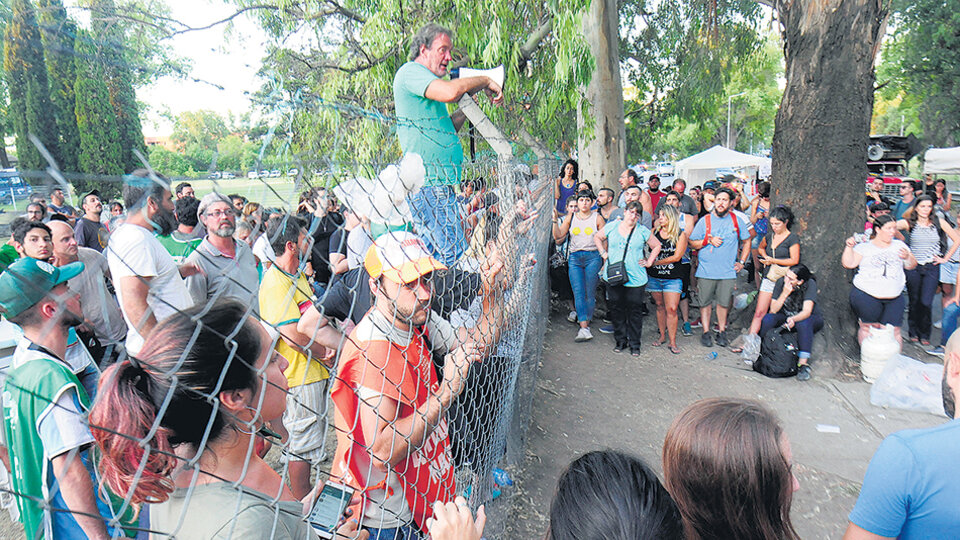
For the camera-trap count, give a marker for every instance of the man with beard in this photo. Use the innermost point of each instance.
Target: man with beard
(653, 191)
(183, 241)
(90, 232)
(44, 410)
(58, 205)
(390, 404)
(103, 330)
(285, 297)
(148, 282)
(911, 488)
(718, 236)
(228, 268)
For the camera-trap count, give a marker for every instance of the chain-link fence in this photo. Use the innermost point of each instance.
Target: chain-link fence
(239, 362)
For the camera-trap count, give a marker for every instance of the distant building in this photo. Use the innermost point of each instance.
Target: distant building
(162, 141)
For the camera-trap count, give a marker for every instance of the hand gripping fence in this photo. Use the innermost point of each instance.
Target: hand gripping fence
(361, 324)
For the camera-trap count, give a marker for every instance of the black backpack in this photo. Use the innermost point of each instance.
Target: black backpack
(778, 354)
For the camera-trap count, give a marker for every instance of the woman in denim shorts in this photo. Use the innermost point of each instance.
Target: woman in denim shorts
(666, 283)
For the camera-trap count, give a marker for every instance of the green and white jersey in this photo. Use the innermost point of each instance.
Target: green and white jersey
(44, 416)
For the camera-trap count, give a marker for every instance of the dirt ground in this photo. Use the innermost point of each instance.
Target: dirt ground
(590, 398)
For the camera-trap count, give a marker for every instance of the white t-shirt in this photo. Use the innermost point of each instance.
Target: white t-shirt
(881, 269)
(135, 251)
(263, 250)
(358, 242)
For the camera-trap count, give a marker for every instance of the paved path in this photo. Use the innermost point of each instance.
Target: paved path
(590, 398)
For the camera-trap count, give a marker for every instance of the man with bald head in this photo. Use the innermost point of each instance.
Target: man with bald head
(911, 488)
(103, 329)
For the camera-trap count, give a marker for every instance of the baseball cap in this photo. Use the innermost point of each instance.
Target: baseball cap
(209, 199)
(27, 281)
(400, 256)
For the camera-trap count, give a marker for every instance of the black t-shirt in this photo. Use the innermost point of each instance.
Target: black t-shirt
(321, 229)
(91, 234)
(782, 251)
(667, 271)
(794, 303)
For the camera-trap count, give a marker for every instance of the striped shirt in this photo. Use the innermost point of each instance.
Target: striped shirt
(925, 243)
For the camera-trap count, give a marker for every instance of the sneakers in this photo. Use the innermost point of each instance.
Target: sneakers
(697, 323)
(583, 335)
(686, 329)
(572, 317)
(936, 351)
(938, 324)
(706, 340)
(606, 329)
(720, 336)
(803, 372)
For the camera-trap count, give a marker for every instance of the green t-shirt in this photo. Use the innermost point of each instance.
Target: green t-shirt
(8, 254)
(424, 126)
(179, 249)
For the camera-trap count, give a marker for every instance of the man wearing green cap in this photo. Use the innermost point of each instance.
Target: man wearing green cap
(44, 408)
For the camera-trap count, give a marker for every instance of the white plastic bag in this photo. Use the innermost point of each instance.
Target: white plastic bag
(751, 348)
(909, 384)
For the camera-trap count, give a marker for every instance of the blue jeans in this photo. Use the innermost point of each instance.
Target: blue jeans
(584, 274)
(406, 532)
(436, 219)
(950, 313)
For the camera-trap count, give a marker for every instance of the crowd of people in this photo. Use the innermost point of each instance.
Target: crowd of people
(167, 348)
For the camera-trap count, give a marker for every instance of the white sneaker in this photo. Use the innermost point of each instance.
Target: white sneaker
(583, 335)
(938, 324)
(572, 317)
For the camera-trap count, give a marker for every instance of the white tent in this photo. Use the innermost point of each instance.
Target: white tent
(942, 161)
(701, 167)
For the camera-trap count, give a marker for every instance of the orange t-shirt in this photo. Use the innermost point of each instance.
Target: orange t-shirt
(405, 375)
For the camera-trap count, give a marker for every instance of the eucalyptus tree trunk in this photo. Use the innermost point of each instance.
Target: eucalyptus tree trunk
(820, 140)
(601, 150)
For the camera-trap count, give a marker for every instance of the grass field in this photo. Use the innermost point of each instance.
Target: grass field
(271, 192)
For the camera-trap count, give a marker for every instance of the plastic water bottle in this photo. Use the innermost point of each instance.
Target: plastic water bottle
(712, 355)
(502, 477)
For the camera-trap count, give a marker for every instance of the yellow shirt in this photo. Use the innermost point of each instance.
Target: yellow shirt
(280, 302)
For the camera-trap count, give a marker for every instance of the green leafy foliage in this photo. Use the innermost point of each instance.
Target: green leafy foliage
(352, 50)
(100, 150)
(59, 34)
(26, 74)
(919, 76)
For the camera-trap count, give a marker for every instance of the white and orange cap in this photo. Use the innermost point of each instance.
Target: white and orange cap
(401, 257)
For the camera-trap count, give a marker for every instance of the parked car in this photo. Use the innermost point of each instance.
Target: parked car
(293, 172)
(13, 187)
(227, 175)
(275, 173)
(253, 174)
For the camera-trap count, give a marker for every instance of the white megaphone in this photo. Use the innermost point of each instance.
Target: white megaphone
(494, 73)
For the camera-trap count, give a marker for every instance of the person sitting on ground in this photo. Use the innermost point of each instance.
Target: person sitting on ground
(794, 306)
(911, 489)
(227, 358)
(728, 465)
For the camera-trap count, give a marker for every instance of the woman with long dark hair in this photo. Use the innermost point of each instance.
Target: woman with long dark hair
(566, 184)
(727, 464)
(177, 428)
(583, 259)
(794, 305)
(928, 243)
(877, 292)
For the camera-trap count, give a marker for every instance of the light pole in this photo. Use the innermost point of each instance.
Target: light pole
(729, 98)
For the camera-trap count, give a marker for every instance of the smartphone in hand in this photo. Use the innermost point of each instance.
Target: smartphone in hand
(328, 509)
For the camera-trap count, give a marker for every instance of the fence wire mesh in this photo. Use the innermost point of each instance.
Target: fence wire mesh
(354, 323)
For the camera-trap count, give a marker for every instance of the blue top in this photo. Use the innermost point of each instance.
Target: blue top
(911, 489)
(636, 274)
(424, 126)
(717, 262)
(565, 193)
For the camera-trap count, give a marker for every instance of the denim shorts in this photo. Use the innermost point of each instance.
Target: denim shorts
(665, 285)
(948, 272)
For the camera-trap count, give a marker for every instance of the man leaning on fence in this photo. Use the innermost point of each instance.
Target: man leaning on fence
(425, 127)
(44, 408)
(392, 435)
